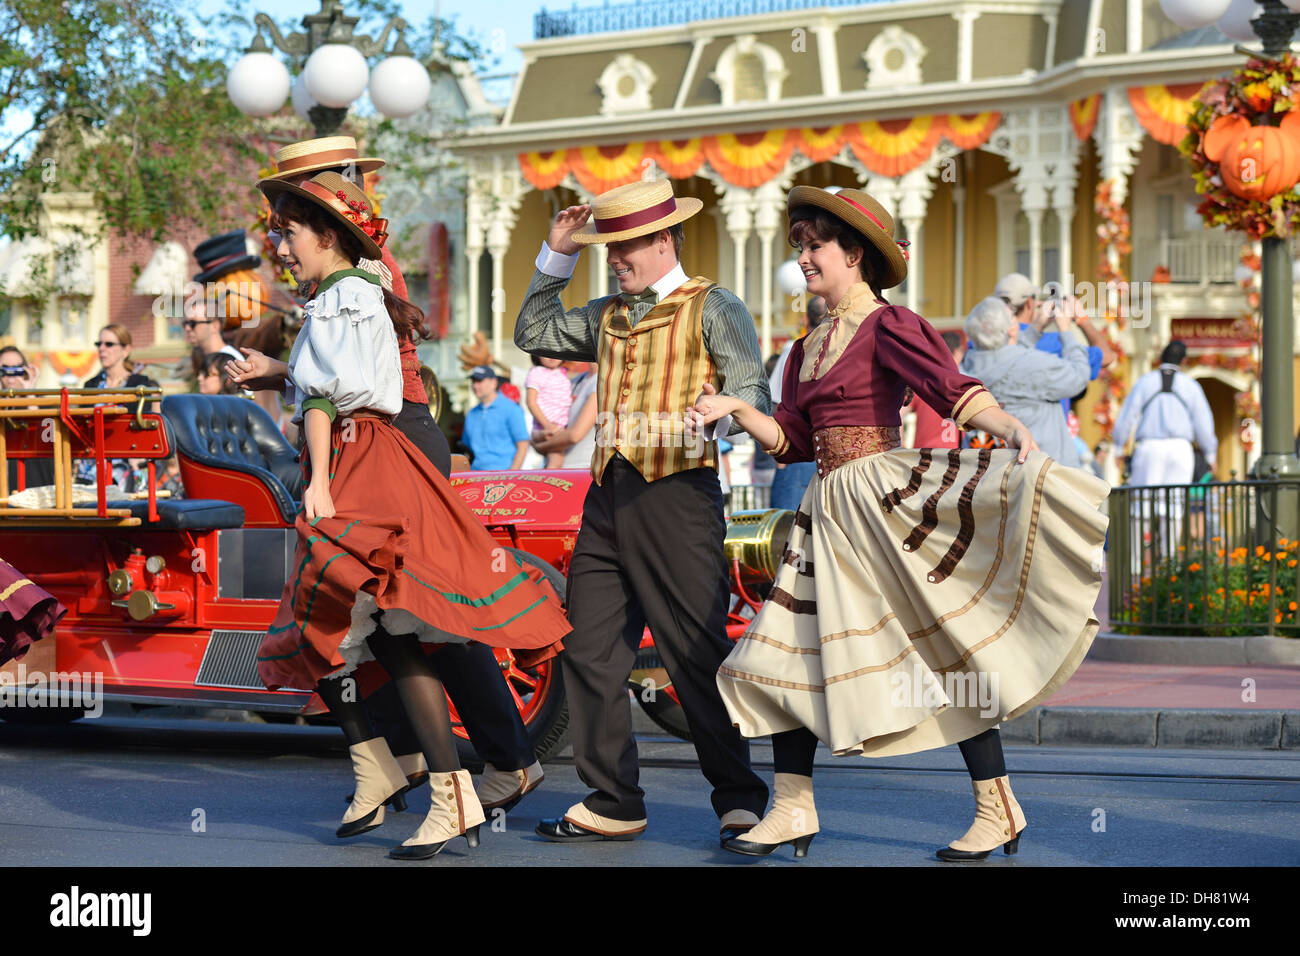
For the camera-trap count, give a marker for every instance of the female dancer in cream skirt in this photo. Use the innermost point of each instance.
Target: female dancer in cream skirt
(926, 595)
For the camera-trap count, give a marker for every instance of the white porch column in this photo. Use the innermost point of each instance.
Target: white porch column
(768, 218)
(473, 256)
(959, 248)
(738, 205)
(1035, 217)
(498, 245)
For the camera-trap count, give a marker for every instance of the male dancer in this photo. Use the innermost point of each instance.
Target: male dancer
(650, 548)
(469, 672)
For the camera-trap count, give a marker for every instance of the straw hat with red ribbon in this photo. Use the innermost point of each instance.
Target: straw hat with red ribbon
(345, 201)
(327, 152)
(865, 215)
(637, 209)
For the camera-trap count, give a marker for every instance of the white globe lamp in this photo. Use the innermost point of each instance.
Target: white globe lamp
(1191, 14)
(789, 278)
(258, 84)
(399, 86)
(335, 75)
(302, 101)
(1235, 24)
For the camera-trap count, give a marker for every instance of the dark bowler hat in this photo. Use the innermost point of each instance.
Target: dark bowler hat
(223, 254)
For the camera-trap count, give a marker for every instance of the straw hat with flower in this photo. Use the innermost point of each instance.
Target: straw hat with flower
(327, 152)
(868, 217)
(343, 200)
(637, 209)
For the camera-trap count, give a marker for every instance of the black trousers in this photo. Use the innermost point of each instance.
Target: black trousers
(651, 552)
(469, 672)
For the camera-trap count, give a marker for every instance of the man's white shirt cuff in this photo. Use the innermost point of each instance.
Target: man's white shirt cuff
(556, 264)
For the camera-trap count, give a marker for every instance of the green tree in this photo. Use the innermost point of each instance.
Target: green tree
(124, 99)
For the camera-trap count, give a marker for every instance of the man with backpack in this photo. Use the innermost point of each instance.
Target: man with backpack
(1167, 411)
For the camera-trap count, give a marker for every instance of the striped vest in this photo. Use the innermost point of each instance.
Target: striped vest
(649, 376)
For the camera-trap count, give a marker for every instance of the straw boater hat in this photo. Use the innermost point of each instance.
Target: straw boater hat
(637, 209)
(328, 152)
(346, 202)
(866, 216)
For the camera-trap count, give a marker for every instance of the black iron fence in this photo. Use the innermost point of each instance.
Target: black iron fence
(1205, 559)
(661, 13)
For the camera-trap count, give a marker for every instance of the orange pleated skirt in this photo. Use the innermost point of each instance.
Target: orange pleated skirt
(401, 551)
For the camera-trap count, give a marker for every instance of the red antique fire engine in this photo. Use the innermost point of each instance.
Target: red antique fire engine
(169, 599)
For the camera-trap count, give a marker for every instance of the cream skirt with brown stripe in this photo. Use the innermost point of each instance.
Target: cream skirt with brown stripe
(926, 596)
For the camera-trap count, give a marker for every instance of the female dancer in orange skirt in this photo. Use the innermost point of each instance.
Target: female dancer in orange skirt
(926, 595)
(385, 547)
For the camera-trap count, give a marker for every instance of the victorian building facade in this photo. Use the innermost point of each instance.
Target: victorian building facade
(989, 129)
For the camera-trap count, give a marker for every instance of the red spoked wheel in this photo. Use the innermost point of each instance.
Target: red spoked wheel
(538, 692)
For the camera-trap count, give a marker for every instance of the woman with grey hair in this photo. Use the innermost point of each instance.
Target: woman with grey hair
(1028, 383)
(991, 325)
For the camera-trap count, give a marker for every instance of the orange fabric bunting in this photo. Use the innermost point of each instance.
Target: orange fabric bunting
(750, 159)
(601, 168)
(822, 144)
(970, 131)
(1083, 115)
(74, 362)
(1163, 110)
(679, 158)
(894, 147)
(545, 170)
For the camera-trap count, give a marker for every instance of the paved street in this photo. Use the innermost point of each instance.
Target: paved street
(130, 792)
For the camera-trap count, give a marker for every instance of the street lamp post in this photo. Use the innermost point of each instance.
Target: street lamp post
(1274, 23)
(330, 60)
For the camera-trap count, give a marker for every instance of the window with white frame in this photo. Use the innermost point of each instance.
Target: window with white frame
(749, 71)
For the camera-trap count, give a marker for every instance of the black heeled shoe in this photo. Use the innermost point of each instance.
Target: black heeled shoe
(949, 855)
(369, 822)
(426, 851)
(397, 802)
(749, 848)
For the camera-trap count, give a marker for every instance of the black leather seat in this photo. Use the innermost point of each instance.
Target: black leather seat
(232, 433)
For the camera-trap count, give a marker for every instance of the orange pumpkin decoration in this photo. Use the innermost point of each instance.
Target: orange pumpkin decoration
(1256, 162)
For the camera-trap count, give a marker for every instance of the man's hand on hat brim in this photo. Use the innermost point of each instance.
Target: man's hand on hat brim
(567, 222)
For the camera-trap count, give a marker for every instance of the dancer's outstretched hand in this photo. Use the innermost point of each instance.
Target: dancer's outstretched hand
(709, 407)
(566, 223)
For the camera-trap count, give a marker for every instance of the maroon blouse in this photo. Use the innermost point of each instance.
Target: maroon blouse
(892, 349)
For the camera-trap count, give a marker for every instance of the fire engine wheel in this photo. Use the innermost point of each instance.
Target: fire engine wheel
(538, 691)
(650, 684)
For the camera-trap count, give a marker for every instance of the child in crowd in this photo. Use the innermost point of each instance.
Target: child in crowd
(549, 398)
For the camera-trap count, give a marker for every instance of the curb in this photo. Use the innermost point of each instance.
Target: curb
(1195, 651)
(1142, 727)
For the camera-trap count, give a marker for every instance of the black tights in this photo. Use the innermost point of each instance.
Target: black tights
(792, 752)
(422, 695)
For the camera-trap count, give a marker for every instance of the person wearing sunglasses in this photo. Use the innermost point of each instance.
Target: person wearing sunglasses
(117, 371)
(203, 333)
(17, 372)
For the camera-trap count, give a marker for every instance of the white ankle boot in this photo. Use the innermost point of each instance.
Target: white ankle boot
(504, 788)
(998, 822)
(792, 819)
(455, 810)
(378, 778)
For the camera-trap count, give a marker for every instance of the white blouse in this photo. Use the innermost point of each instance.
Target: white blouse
(346, 351)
